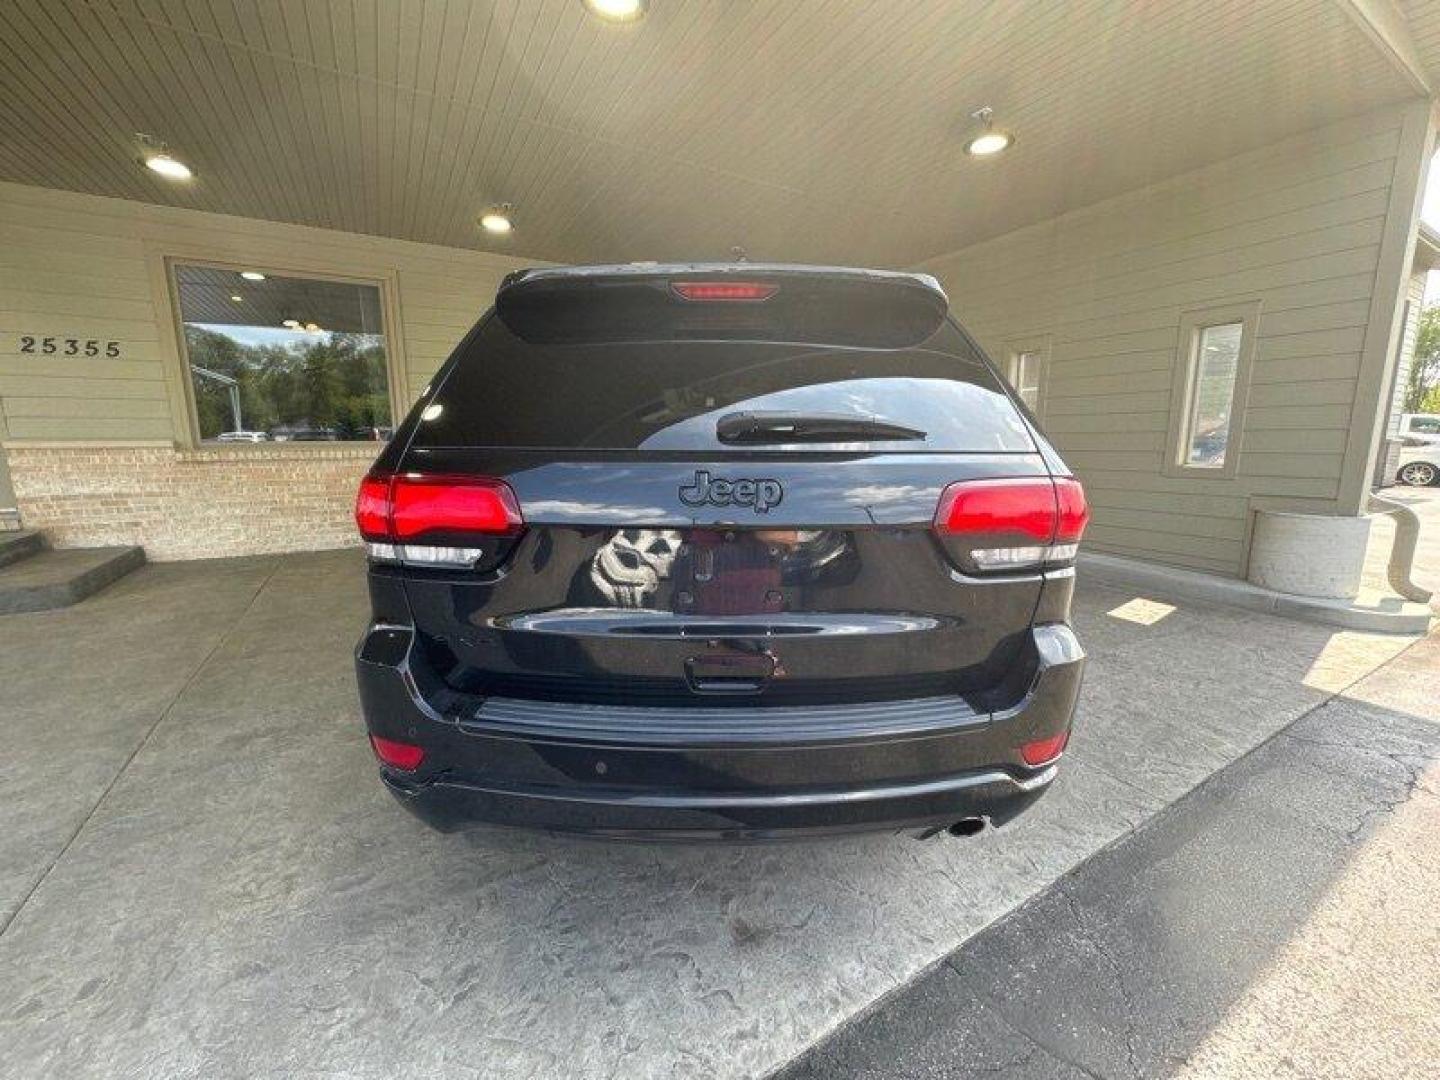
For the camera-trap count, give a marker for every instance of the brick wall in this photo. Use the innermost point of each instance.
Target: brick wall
(181, 504)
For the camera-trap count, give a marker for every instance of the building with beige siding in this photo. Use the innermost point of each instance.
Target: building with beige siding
(1194, 261)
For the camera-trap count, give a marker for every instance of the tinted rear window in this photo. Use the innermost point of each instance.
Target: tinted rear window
(668, 395)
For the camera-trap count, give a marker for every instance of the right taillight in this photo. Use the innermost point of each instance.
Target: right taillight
(436, 520)
(1072, 515)
(1015, 523)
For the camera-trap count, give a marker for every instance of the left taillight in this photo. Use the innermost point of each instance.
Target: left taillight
(424, 506)
(1014, 523)
(372, 507)
(436, 520)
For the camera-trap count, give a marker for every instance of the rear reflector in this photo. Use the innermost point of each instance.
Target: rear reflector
(408, 506)
(723, 290)
(1044, 751)
(1015, 523)
(398, 755)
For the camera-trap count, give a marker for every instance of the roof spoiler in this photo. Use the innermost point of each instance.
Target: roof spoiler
(722, 302)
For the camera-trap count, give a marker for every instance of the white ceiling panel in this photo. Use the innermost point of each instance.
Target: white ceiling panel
(806, 130)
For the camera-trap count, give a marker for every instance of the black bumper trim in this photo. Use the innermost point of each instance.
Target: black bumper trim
(659, 725)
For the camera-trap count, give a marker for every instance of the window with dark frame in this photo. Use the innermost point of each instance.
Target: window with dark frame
(283, 357)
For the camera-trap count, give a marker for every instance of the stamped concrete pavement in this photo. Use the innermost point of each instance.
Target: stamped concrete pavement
(202, 876)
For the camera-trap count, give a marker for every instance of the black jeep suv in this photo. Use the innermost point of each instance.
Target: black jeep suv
(714, 551)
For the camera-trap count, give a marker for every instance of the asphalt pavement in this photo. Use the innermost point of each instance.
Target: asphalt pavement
(1278, 921)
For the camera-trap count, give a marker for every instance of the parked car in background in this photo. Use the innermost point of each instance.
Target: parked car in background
(736, 551)
(242, 436)
(1422, 425)
(304, 433)
(1419, 461)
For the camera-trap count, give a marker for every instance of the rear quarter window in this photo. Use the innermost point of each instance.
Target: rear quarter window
(669, 395)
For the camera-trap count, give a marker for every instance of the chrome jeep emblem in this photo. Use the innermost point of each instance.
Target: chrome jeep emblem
(759, 495)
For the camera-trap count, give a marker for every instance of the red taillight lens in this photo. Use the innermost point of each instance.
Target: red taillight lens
(372, 507)
(1016, 523)
(430, 505)
(398, 755)
(723, 290)
(1044, 751)
(408, 506)
(1073, 510)
(1023, 507)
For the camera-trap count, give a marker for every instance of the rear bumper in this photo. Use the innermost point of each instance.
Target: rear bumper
(991, 794)
(721, 773)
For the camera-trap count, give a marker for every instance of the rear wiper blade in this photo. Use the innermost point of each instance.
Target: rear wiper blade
(788, 427)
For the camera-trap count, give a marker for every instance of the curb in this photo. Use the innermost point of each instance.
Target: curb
(1392, 615)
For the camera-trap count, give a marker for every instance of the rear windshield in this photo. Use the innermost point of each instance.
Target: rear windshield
(670, 395)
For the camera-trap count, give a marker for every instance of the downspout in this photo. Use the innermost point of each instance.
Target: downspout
(1402, 551)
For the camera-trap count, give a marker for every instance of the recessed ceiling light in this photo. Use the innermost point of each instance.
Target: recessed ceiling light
(497, 219)
(252, 275)
(168, 167)
(617, 11)
(312, 328)
(238, 298)
(990, 140)
(291, 324)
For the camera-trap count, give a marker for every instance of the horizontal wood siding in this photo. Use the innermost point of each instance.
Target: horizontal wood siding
(1298, 227)
(77, 266)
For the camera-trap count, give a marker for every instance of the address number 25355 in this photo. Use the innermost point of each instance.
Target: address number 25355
(68, 346)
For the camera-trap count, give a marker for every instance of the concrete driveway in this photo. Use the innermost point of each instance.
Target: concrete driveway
(201, 876)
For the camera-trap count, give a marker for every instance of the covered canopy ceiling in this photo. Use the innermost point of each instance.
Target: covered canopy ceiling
(799, 130)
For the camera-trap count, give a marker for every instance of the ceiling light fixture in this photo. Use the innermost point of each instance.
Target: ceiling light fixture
(168, 167)
(312, 328)
(497, 219)
(617, 11)
(157, 158)
(290, 324)
(991, 140)
(252, 275)
(237, 298)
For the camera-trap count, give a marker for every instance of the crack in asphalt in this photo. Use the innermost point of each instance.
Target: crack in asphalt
(1036, 1042)
(1078, 914)
(1385, 806)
